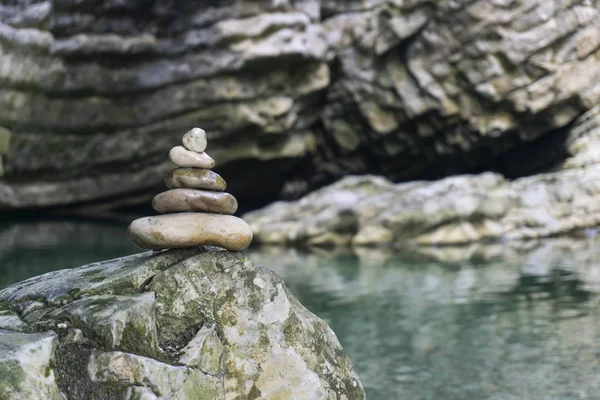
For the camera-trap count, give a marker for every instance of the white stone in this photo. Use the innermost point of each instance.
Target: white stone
(195, 140)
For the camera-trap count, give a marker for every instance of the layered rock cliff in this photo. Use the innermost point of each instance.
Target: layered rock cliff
(370, 210)
(314, 90)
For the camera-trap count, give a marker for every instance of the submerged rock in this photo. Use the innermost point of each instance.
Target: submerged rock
(181, 324)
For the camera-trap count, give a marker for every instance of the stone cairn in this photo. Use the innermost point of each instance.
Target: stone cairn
(197, 210)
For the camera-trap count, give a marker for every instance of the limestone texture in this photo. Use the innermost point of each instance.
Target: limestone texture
(25, 366)
(190, 229)
(315, 90)
(183, 324)
(182, 157)
(370, 210)
(177, 200)
(195, 178)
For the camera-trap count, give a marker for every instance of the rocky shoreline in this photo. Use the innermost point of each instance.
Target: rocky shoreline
(369, 210)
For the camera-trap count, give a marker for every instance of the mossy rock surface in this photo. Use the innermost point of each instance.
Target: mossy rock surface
(5, 136)
(181, 324)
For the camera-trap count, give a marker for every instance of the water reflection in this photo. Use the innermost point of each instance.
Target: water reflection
(500, 322)
(30, 248)
(484, 322)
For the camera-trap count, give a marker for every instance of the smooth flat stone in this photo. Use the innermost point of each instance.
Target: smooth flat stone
(194, 178)
(178, 200)
(185, 158)
(195, 140)
(190, 229)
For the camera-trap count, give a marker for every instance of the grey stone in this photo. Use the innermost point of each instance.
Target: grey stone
(204, 351)
(194, 178)
(227, 329)
(124, 323)
(195, 140)
(178, 200)
(27, 366)
(10, 321)
(166, 381)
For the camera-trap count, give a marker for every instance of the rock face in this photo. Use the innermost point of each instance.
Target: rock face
(313, 89)
(366, 210)
(177, 325)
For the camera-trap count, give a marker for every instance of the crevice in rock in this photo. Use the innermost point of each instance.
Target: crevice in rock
(261, 183)
(527, 158)
(145, 284)
(73, 379)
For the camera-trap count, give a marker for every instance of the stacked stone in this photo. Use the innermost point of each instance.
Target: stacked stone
(197, 210)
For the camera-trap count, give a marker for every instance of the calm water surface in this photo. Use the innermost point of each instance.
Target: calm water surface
(493, 323)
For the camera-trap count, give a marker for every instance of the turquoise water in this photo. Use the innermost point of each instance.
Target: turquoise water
(495, 322)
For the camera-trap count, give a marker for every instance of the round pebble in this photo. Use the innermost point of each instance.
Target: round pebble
(172, 231)
(179, 200)
(194, 178)
(195, 140)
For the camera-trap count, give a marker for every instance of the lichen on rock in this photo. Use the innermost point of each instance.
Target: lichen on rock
(181, 324)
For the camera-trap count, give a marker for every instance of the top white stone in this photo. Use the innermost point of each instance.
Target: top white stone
(195, 140)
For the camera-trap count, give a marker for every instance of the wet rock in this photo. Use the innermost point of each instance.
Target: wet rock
(190, 229)
(226, 328)
(178, 200)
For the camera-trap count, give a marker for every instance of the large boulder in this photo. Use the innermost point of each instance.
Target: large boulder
(316, 90)
(182, 324)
